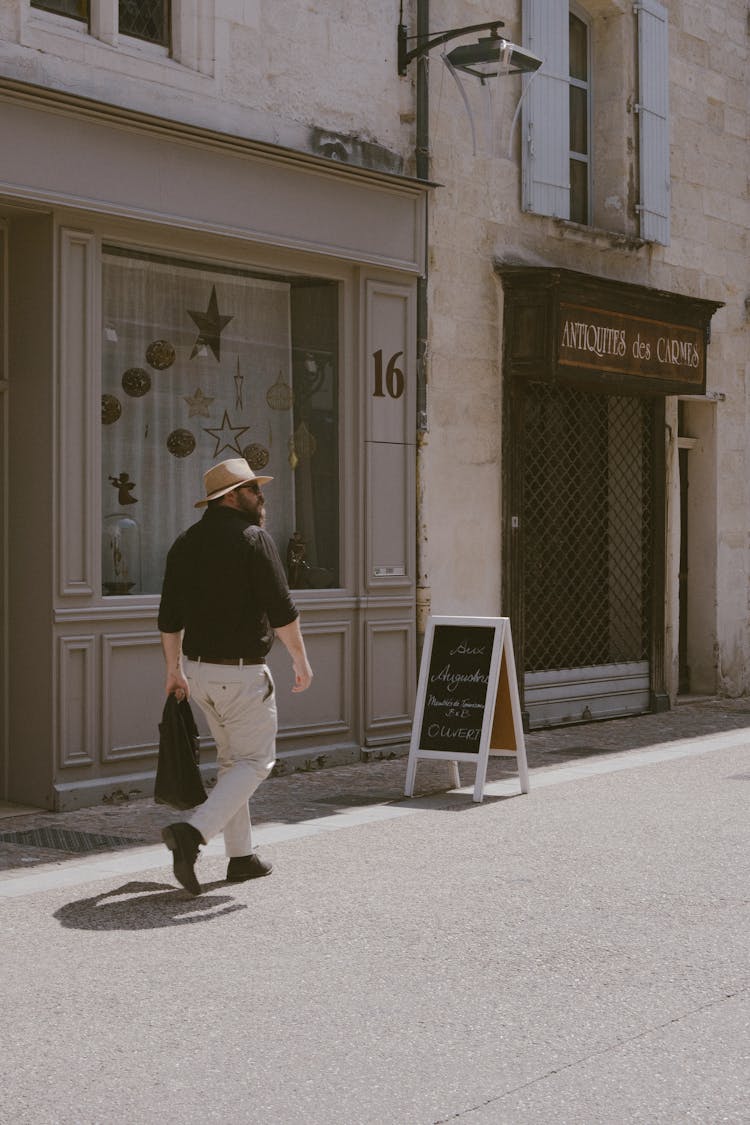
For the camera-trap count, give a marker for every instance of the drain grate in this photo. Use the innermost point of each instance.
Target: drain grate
(67, 840)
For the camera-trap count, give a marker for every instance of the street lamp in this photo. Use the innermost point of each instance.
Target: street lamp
(472, 58)
(492, 56)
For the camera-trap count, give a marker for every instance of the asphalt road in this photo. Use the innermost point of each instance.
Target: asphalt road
(579, 954)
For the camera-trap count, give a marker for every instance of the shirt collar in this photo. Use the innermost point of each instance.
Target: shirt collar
(219, 512)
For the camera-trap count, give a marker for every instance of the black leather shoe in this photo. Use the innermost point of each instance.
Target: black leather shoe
(244, 867)
(184, 841)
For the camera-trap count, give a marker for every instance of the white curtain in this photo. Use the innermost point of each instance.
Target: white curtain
(169, 379)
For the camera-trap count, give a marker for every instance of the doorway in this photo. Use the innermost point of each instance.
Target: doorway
(583, 586)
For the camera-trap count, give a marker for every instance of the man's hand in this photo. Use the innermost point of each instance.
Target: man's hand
(177, 684)
(171, 644)
(302, 674)
(291, 637)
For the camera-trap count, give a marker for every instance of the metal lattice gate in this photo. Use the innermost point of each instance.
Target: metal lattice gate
(587, 475)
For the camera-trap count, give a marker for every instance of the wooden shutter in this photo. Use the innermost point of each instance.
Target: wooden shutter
(546, 111)
(653, 116)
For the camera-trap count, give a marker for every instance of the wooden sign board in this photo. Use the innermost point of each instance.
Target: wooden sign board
(467, 700)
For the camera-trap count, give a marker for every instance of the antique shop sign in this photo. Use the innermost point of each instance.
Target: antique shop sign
(604, 340)
(467, 700)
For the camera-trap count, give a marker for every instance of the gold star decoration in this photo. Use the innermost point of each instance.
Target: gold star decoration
(220, 434)
(198, 403)
(210, 326)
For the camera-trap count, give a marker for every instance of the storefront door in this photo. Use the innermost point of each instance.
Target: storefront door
(585, 591)
(587, 366)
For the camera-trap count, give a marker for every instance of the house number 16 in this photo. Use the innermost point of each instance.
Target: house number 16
(394, 376)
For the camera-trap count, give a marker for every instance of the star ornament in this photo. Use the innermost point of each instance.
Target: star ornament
(224, 436)
(210, 326)
(198, 403)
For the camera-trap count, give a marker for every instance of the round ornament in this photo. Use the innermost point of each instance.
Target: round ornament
(256, 455)
(160, 355)
(280, 395)
(111, 409)
(136, 382)
(180, 443)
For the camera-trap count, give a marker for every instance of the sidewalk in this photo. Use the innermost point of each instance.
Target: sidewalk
(54, 838)
(577, 955)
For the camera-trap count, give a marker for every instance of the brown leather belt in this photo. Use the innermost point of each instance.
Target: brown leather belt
(229, 661)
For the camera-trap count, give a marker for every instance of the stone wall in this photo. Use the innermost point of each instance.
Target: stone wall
(318, 77)
(321, 77)
(476, 217)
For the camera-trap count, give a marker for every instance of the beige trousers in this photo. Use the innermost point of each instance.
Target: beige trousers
(240, 708)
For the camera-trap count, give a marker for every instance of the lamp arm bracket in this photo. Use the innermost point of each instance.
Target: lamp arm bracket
(405, 57)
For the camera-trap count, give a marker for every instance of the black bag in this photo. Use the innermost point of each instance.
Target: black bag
(178, 778)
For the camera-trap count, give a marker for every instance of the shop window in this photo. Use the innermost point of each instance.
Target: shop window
(572, 142)
(201, 363)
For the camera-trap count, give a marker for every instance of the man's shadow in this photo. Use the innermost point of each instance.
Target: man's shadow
(146, 906)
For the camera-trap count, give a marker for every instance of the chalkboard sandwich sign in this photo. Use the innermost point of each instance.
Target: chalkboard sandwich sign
(467, 700)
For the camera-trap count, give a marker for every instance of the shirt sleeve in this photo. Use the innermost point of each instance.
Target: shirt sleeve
(171, 615)
(270, 579)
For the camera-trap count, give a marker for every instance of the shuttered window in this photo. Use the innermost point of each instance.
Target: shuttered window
(580, 120)
(552, 118)
(546, 110)
(653, 120)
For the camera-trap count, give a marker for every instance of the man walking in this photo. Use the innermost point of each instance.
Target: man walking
(224, 595)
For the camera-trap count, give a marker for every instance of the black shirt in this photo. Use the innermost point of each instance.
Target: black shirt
(226, 587)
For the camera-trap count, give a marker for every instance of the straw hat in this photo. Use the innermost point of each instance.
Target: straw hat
(225, 476)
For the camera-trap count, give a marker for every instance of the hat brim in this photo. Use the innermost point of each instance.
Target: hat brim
(223, 491)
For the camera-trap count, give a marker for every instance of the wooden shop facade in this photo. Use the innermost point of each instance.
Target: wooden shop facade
(172, 296)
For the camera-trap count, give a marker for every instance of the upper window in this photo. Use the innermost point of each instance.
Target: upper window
(78, 9)
(579, 68)
(143, 19)
(596, 117)
(202, 363)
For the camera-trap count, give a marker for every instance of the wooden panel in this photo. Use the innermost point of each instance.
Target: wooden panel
(653, 120)
(390, 428)
(390, 530)
(545, 111)
(225, 185)
(389, 362)
(76, 415)
(132, 695)
(76, 701)
(390, 660)
(326, 707)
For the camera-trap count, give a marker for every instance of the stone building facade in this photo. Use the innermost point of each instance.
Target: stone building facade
(421, 300)
(656, 96)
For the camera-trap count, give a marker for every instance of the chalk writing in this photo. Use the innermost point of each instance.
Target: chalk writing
(457, 681)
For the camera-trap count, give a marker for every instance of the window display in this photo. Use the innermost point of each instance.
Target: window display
(200, 364)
